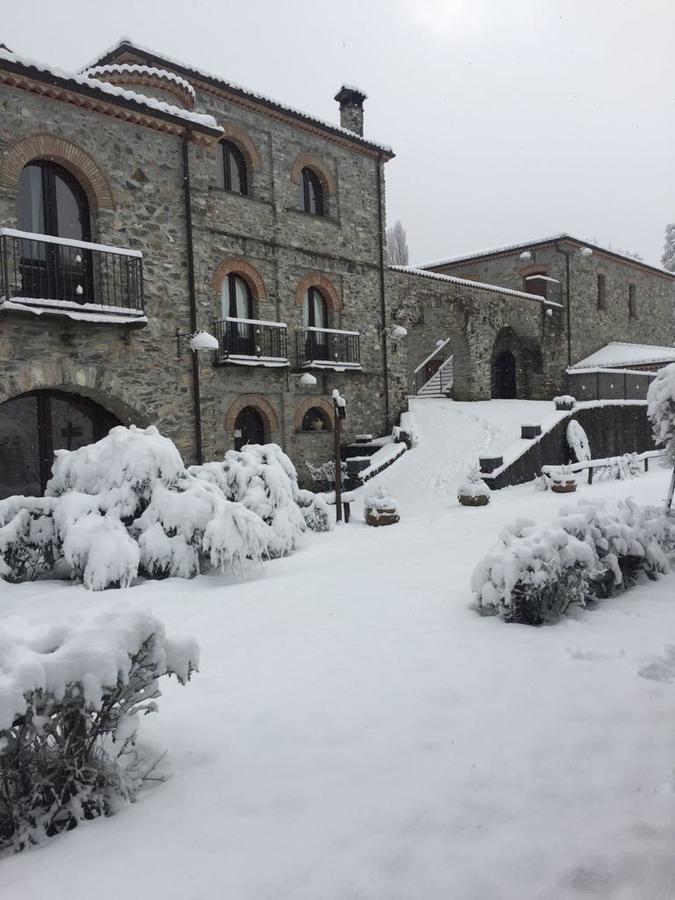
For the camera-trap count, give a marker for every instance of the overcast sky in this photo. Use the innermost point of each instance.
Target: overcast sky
(510, 120)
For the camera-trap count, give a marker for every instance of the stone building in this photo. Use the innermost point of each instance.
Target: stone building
(143, 201)
(567, 299)
(142, 198)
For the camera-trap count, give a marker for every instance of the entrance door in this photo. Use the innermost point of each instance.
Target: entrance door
(50, 201)
(33, 426)
(431, 368)
(505, 376)
(249, 428)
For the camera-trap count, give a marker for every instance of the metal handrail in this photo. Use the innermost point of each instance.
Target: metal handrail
(431, 355)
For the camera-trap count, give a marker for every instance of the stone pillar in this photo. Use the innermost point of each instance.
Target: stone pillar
(351, 108)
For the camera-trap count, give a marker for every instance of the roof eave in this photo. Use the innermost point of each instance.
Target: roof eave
(111, 55)
(75, 87)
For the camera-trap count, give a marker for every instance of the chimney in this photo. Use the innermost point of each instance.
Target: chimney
(351, 108)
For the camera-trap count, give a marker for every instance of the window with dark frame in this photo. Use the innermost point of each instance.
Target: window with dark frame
(632, 301)
(232, 170)
(238, 304)
(602, 291)
(312, 193)
(315, 419)
(536, 283)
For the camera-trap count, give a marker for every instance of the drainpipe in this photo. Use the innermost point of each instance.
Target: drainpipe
(383, 306)
(196, 391)
(569, 315)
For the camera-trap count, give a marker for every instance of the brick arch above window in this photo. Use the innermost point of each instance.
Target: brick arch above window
(263, 406)
(311, 403)
(308, 161)
(327, 288)
(240, 139)
(73, 158)
(240, 267)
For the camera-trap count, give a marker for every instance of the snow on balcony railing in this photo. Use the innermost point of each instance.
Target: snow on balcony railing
(251, 341)
(328, 348)
(55, 270)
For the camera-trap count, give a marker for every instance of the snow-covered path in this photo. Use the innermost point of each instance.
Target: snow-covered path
(452, 435)
(358, 732)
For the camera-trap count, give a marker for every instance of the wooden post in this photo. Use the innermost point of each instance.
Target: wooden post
(338, 462)
(671, 489)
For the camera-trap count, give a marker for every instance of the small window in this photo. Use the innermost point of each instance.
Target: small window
(315, 419)
(237, 300)
(232, 173)
(632, 301)
(315, 313)
(312, 193)
(602, 292)
(536, 283)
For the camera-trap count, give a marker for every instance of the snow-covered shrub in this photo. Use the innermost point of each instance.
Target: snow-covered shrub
(27, 543)
(594, 549)
(565, 402)
(71, 697)
(577, 441)
(127, 505)
(315, 511)
(661, 409)
(473, 486)
(263, 479)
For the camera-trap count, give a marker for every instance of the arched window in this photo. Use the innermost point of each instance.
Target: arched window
(312, 193)
(232, 172)
(315, 419)
(315, 316)
(249, 428)
(238, 305)
(51, 201)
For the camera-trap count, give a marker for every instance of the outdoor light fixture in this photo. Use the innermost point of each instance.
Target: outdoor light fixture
(307, 380)
(197, 341)
(398, 331)
(586, 251)
(525, 255)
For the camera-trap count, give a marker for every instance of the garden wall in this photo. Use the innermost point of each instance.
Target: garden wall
(612, 428)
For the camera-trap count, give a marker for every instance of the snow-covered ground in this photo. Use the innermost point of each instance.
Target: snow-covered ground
(357, 731)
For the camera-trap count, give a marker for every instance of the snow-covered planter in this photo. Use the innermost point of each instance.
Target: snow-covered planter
(577, 442)
(126, 506)
(563, 480)
(380, 508)
(71, 700)
(473, 491)
(565, 402)
(592, 551)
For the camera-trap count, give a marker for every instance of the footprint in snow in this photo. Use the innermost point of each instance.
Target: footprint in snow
(662, 669)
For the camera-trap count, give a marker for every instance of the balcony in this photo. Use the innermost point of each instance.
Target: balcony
(328, 348)
(55, 276)
(251, 342)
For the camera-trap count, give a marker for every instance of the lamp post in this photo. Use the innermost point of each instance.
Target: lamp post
(339, 413)
(197, 342)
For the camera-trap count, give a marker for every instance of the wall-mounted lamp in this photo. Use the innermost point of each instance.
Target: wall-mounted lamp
(200, 340)
(307, 380)
(525, 255)
(398, 332)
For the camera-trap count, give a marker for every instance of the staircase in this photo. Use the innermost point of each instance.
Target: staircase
(440, 383)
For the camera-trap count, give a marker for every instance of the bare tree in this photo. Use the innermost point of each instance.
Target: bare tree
(397, 245)
(668, 258)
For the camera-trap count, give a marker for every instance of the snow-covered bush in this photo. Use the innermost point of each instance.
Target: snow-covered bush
(473, 486)
(577, 441)
(661, 409)
(594, 549)
(127, 505)
(71, 698)
(315, 511)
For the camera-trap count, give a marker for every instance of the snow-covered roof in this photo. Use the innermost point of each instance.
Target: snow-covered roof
(618, 354)
(524, 245)
(480, 285)
(134, 69)
(128, 46)
(111, 91)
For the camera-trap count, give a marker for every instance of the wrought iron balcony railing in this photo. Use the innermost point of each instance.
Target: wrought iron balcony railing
(55, 272)
(328, 348)
(251, 342)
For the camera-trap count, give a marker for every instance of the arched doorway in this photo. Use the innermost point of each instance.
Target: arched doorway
(50, 201)
(249, 428)
(504, 376)
(34, 425)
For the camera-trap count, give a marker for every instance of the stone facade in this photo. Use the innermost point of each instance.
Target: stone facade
(133, 176)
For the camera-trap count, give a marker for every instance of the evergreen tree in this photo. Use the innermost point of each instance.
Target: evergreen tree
(668, 258)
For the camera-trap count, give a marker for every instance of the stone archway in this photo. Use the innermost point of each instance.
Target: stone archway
(36, 424)
(516, 366)
(268, 416)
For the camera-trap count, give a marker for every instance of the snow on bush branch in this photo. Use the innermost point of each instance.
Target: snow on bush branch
(71, 697)
(661, 408)
(593, 550)
(127, 505)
